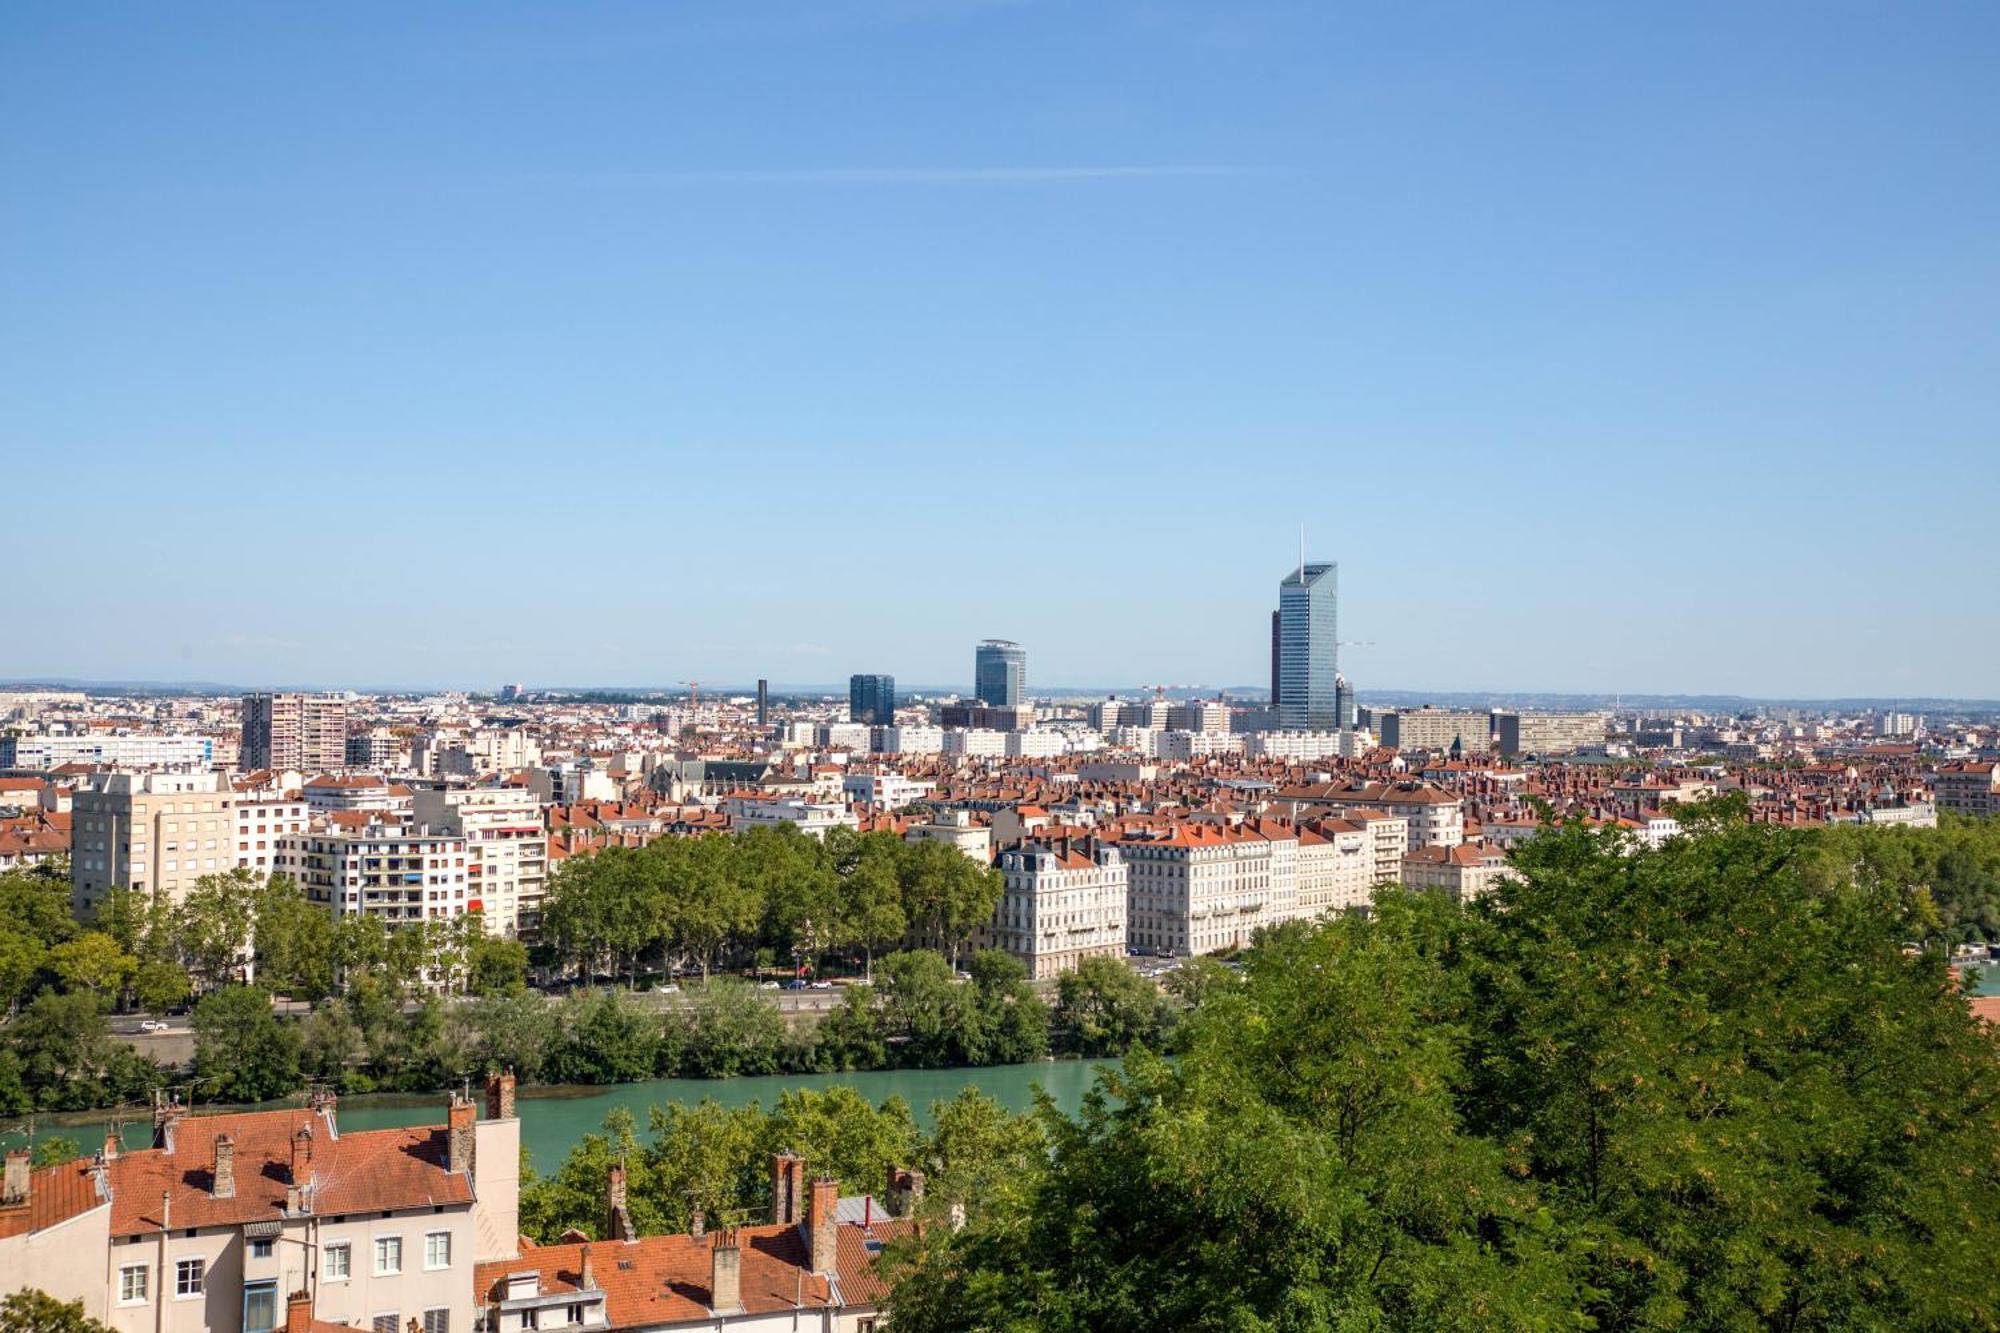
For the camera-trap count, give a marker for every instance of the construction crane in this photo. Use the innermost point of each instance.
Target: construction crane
(1160, 691)
(694, 693)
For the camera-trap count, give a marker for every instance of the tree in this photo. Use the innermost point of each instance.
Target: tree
(708, 902)
(496, 965)
(243, 1052)
(947, 894)
(1103, 1007)
(54, 1151)
(573, 1197)
(726, 1027)
(21, 957)
(603, 1039)
(851, 1036)
(1011, 1024)
(870, 891)
(92, 961)
(706, 1157)
(1303, 1168)
(925, 1015)
(511, 1029)
(213, 925)
(294, 940)
(840, 1134)
(977, 1149)
(67, 1058)
(31, 1310)
(35, 902)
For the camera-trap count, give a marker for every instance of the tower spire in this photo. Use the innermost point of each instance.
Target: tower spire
(1302, 553)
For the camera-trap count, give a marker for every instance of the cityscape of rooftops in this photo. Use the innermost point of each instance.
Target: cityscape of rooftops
(974, 666)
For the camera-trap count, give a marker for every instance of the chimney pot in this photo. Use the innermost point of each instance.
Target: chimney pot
(299, 1312)
(617, 1217)
(787, 1171)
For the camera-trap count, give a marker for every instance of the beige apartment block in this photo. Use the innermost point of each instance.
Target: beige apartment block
(154, 833)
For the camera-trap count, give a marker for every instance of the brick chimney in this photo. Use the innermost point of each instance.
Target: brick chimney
(167, 1114)
(788, 1171)
(825, 1203)
(725, 1272)
(112, 1147)
(500, 1095)
(298, 1188)
(460, 1117)
(223, 1184)
(905, 1191)
(299, 1312)
(14, 1190)
(587, 1279)
(617, 1217)
(698, 1224)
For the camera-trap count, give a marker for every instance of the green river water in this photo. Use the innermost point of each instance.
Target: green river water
(554, 1118)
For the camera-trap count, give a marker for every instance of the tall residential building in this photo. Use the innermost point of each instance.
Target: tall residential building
(1065, 901)
(1344, 706)
(1548, 733)
(380, 870)
(1438, 729)
(507, 844)
(1000, 673)
(1277, 679)
(872, 699)
(1308, 648)
(303, 731)
(153, 833)
(1198, 888)
(763, 702)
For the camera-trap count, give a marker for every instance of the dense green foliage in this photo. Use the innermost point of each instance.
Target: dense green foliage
(776, 893)
(717, 1159)
(34, 1311)
(1703, 1087)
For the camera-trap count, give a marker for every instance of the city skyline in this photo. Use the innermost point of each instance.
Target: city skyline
(639, 296)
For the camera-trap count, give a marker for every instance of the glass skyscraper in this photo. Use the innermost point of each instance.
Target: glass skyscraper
(1000, 673)
(1309, 648)
(872, 699)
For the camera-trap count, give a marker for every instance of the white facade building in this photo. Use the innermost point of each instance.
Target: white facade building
(1065, 901)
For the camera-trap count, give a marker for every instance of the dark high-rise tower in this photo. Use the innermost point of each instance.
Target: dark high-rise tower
(1277, 684)
(763, 702)
(1000, 673)
(872, 699)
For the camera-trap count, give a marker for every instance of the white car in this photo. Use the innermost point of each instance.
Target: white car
(768, 985)
(669, 989)
(822, 985)
(153, 1025)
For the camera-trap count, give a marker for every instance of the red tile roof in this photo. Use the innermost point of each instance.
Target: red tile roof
(368, 1171)
(55, 1195)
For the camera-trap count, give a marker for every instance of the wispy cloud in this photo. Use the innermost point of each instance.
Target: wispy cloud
(901, 175)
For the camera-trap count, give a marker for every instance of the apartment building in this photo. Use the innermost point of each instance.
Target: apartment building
(1433, 818)
(1201, 887)
(302, 731)
(1971, 788)
(263, 817)
(885, 791)
(909, 739)
(1294, 746)
(213, 1226)
(958, 828)
(154, 833)
(378, 749)
(748, 810)
(1177, 746)
(1207, 715)
(507, 849)
(365, 793)
(1336, 868)
(1465, 871)
(382, 870)
(104, 750)
(1440, 729)
(975, 741)
(1065, 900)
(1548, 733)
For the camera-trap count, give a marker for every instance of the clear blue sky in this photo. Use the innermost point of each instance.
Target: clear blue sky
(1606, 346)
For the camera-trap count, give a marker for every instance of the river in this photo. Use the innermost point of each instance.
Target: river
(554, 1118)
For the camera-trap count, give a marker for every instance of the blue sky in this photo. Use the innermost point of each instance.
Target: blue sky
(1619, 347)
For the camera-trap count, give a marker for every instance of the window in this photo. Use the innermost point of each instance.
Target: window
(437, 1321)
(437, 1250)
(576, 1314)
(132, 1283)
(388, 1255)
(187, 1278)
(385, 1323)
(260, 1307)
(338, 1265)
(261, 1249)
(531, 1319)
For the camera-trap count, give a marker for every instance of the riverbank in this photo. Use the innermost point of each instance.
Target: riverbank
(554, 1118)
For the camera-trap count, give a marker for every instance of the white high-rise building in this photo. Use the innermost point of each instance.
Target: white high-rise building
(507, 847)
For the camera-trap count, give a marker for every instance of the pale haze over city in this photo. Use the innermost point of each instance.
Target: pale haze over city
(1604, 350)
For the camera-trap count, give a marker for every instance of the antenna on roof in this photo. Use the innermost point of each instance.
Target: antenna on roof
(1302, 553)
